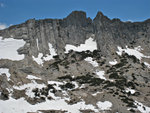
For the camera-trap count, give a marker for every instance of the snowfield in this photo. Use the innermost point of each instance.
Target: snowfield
(9, 47)
(135, 52)
(57, 103)
(22, 106)
(89, 44)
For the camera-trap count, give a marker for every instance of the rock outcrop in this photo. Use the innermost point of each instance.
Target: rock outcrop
(75, 29)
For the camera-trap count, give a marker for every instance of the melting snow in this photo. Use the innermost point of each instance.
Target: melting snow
(141, 107)
(6, 71)
(9, 47)
(90, 60)
(40, 59)
(22, 106)
(101, 74)
(130, 90)
(37, 42)
(52, 52)
(32, 77)
(104, 105)
(29, 87)
(135, 52)
(97, 93)
(90, 44)
(76, 85)
(56, 84)
(147, 64)
(113, 62)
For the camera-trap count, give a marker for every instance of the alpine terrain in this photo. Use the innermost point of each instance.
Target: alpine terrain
(75, 65)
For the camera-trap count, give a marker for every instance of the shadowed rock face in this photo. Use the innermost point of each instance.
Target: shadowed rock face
(75, 29)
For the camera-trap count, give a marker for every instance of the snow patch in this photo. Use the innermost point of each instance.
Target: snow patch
(147, 64)
(101, 74)
(9, 47)
(22, 106)
(6, 71)
(29, 87)
(37, 42)
(132, 91)
(135, 52)
(142, 108)
(38, 59)
(95, 94)
(91, 61)
(104, 105)
(76, 85)
(52, 52)
(41, 58)
(113, 62)
(90, 44)
(56, 84)
(33, 77)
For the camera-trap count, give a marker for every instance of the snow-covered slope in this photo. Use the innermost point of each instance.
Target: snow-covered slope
(9, 47)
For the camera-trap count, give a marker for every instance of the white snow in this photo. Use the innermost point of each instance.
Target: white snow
(90, 44)
(37, 42)
(132, 91)
(91, 61)
(101, 74)
(135, 52)
(76, 85)
(38, 59)
(58, 103)
(56, 84)
(33, 77)
(147, 64)
(113, 62)
(29, 87)
(104, 105)
(22, 106)
(52, 52)
(95, 94)
(41, 58)
(6, 71)
(140, 107)
(9, 47)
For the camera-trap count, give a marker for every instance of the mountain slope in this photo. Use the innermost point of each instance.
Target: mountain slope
(75, 64)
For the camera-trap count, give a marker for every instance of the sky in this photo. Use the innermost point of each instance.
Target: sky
(18, 11)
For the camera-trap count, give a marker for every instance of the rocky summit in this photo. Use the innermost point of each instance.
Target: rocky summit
(75, 65)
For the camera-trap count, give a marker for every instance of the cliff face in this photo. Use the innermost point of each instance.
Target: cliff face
(75, 29)
(75, 65)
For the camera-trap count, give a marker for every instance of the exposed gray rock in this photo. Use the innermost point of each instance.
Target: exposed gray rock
(75, 29)
(71, 67)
